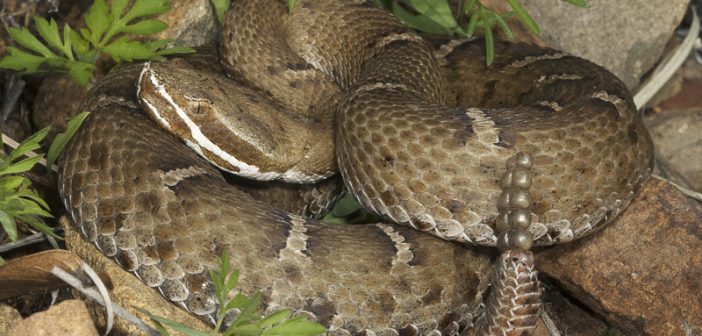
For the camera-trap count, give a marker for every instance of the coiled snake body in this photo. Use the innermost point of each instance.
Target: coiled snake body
(403, 146)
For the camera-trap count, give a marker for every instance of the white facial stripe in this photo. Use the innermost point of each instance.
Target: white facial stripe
(201, 144)
(154, 112)
(147, 67)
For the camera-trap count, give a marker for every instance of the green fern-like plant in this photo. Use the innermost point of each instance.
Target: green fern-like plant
(19, 202)
(249, 321)
(76, 52)
(436, 17)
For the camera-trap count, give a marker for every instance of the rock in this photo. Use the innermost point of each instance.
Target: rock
(572, 319)
(627, 37)
(8, 317)
(190, 23)
(688, 96)
(66, 318)
(643, 272)
(57, 100)
(126, 290)
(677, 139)
(32, 273)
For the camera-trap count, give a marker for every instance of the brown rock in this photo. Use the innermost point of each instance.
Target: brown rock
(644, 272)
(127, 291)
(66, 318)
(572, 319)
(57, 100)
(8, 318)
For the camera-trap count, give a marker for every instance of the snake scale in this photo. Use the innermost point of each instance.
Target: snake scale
(422, 137)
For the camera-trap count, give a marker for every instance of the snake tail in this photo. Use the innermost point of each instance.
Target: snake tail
(515, 299)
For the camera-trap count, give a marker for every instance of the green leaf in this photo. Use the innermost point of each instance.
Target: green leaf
(474, 20)
(9, 225)
(161, 328)
(524, 17)
(79, 43)
(468, 9)
(438, 11)
(579, 3)
(67, 45)
(220, 274)
(21, 166)
(118, 6)
(2, 261)
(298, 326)
(239, 302)
(25, 38)
(10, 183)
(250, 311)
(87, 35)
(175, 50)
(61, 140)
(122, 49)
(98, 21)
(174, 325)
(29, 144)
(419, 22)
(244, 330)
(489, 46)
(31, 209)
(49, 32)
(30, 203)
(39, 224)
(146, 7)
(231, 282)
(145, 27)
(19, 60)
(274, 318)
(81, 72)
(291, 5)
(157, 44)
(35, 197)
(221, 7)
(503, 25)
(346, 206)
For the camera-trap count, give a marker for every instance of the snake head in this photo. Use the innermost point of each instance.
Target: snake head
(233, 126)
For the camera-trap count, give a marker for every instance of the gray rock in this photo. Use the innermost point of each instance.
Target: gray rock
(677, 138)
(190, 23)
(627, 36)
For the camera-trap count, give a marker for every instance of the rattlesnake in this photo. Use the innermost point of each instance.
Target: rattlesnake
(403, 147)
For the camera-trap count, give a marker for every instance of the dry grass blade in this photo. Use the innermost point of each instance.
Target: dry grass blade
(98, 297)
(668, 66)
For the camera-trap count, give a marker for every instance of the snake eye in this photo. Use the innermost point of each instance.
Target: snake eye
(199, 107)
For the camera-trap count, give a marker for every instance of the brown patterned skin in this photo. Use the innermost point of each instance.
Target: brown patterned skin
(411, 155)
(402, 148)
(306, 200)
(145, 199)
(515, 299)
